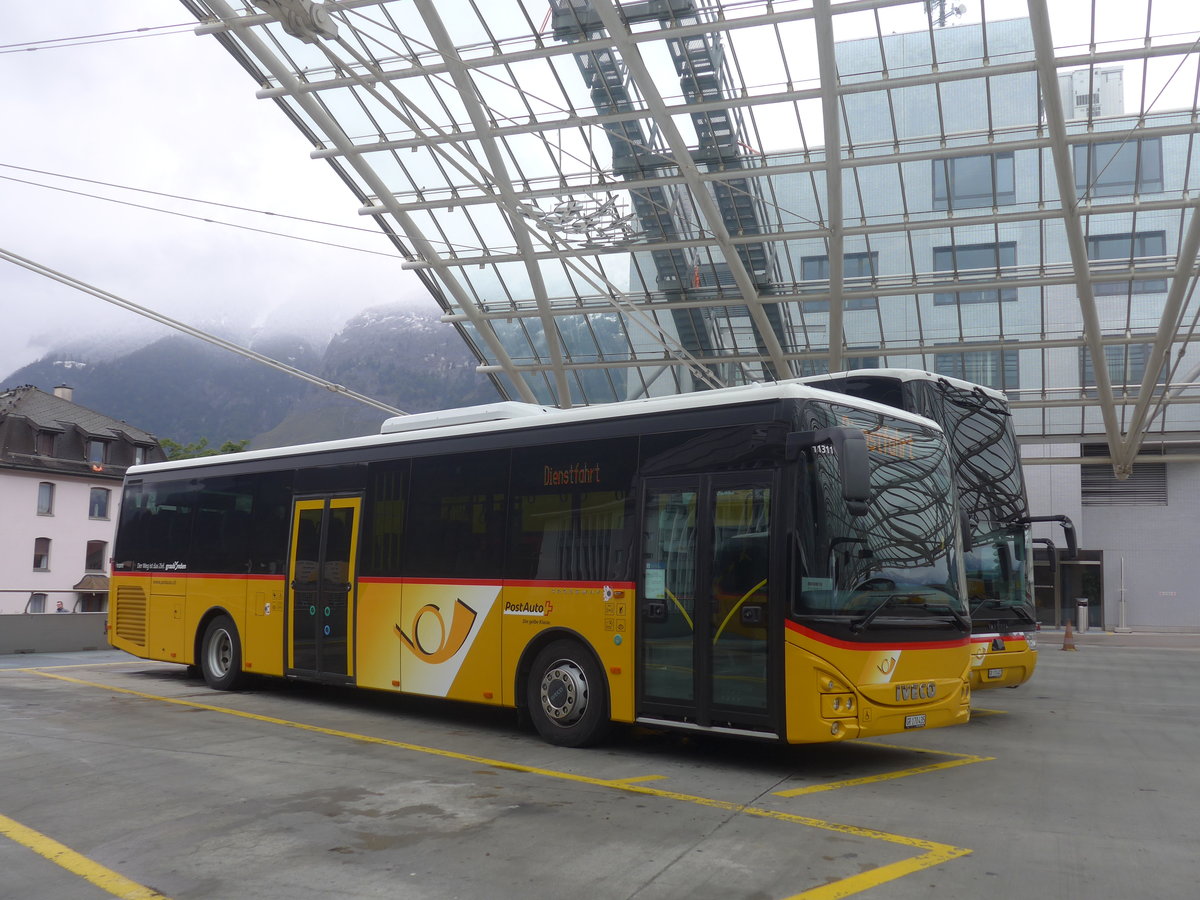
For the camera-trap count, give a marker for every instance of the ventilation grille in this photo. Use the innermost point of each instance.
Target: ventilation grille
(129, 619)
(1147, 486)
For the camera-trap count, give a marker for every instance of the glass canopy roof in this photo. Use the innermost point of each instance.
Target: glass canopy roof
(618, 199)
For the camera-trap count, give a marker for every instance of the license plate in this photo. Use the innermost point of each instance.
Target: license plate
(995, 673)
(914, 721)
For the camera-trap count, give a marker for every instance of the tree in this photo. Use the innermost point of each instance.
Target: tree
(200, 448)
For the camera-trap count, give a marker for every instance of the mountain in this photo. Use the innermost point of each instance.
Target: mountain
(181, 388)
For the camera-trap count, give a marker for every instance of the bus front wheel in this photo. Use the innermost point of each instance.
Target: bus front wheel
(221, 655)
(566, 695)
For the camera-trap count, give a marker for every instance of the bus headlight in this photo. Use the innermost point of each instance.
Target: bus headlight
(1031, 640)
(837, 706)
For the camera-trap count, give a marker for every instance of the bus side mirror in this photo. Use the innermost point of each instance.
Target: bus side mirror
(1051, 553)
(1068, 531)
(854, 466)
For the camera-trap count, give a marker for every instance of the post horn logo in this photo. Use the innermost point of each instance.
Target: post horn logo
(448, 642)
(887, 665)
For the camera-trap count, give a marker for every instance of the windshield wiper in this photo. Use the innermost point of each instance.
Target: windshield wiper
(1017, 607)
(859, 625)
(959, 619)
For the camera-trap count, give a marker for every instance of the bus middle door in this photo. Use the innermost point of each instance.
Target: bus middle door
(704, 616)
(321, 579)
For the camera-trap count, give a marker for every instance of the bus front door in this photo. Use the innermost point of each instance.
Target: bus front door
(321, 579)
(704, 615)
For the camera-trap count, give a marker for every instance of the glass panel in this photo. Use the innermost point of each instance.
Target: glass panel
(335, 586)
(98, 503)
(668, 662)
(306, 593)
(975, 261)
(1123, 250)
(45, 505)
(740, 597)
(94, 560)
(41, 554)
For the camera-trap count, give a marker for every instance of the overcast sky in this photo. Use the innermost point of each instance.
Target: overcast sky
(171, 113)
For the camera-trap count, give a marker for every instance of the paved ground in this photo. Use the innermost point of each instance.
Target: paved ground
(122, 777)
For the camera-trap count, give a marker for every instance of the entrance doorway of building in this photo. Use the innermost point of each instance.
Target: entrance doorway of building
(1058, 584)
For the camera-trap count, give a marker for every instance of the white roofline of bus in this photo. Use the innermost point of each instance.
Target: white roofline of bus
(904, 375)
(541, 415)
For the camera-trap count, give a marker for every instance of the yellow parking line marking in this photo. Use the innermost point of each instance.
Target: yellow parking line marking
(933, 854)
(960, 759)
(638, 778)
(36, 669)
(76, 863)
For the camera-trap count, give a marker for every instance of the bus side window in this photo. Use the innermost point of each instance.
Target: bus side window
(270, 521)
(454, 529)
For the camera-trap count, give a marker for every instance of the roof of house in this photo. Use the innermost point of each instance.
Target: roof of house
(47, 412)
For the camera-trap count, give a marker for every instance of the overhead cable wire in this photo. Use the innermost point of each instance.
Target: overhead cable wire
(192, 331)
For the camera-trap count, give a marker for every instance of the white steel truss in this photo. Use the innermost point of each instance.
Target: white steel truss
(614, 198)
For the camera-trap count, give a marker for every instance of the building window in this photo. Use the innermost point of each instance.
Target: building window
(1118, 168)
(985, 262)
(97, 452)
(41, 554)
(1121, 250)
(139, 455)
(98, 503)
(96, 551)
(1126, 365)
(974, 181)
(45, 505)
(36, 603)
(991, 368)
(809, 367)
(857, 271)
(46, 441)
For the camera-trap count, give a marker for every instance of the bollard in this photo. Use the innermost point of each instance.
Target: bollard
(1081, 608)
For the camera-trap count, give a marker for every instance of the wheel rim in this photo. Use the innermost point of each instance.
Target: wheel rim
(564, 693)
(220, 653)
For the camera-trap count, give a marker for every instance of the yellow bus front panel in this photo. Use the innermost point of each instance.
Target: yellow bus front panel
(839, 691)
(1002, 660)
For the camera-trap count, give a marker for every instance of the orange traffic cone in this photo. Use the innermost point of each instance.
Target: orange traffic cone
(1069, 638)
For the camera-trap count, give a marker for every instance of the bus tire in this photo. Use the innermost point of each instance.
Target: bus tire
(221, 655)
(566, 695)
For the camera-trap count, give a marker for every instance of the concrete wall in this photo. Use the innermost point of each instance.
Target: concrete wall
(1158, 545)
(52, 633)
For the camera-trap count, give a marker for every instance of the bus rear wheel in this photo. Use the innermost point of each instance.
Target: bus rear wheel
(221, 655)
(566, 695)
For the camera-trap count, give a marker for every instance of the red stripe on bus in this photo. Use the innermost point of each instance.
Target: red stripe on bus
(596, 585)
(851, 645)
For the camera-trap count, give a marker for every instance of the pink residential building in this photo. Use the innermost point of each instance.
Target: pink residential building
(61, 467)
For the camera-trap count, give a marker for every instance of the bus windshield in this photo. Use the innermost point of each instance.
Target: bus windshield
(900, 560)
(997, 570)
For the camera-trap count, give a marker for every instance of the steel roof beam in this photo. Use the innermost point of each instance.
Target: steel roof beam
(1039, 18)
(1167, 336)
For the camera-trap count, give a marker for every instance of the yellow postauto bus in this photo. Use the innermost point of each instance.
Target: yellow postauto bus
(774, 562)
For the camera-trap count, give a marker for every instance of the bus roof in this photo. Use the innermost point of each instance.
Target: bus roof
(904, 375)
(511, 416)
